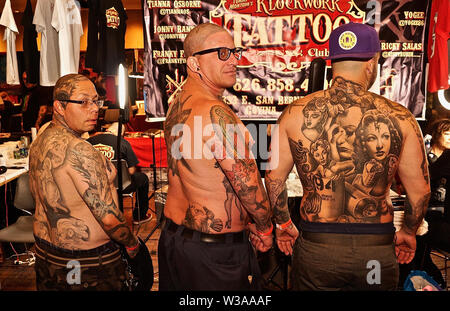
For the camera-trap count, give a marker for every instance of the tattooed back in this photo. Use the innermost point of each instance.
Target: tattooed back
(62, 217)
(347, 144)
(212, 189)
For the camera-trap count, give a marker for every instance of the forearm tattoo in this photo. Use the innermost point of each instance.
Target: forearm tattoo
(98, 196)
(277, 191)
(243, 183)
(414, 213)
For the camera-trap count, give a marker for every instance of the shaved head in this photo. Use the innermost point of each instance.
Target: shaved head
(197, 37)
(66, 85)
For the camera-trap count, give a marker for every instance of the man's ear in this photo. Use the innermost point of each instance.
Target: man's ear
(59, 108)
(192, 63)
(370, 66)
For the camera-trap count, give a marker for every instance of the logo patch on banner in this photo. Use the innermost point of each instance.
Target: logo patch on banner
(112, 18)
(347, 40)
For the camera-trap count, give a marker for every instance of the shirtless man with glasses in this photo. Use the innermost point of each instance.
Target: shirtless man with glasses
(215, 193)
(77, 220)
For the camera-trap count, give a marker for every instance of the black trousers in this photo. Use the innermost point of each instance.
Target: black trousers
(187, 263)
(140, 184)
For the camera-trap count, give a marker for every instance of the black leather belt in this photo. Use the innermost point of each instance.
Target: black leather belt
(232, 237)
(348, 239)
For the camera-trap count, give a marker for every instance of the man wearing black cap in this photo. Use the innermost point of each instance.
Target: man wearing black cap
(347, 239)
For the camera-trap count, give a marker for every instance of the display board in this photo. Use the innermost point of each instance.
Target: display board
(282, 37)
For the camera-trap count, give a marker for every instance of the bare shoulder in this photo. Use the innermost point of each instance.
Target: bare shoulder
(83, 148)
(221, 113)
(178, 112)
(387, 106)
(52, 145)
(402, 116)
(293, 111)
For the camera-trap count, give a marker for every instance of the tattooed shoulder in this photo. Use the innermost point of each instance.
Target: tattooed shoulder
(83, 157)
(222, 114)
(176, 116)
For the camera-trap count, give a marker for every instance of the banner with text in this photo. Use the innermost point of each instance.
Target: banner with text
(282, 37)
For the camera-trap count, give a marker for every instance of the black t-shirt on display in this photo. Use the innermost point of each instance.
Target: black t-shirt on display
(30, 50)
(106, 36)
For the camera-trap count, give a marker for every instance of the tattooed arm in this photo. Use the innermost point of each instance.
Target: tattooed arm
(414, 177)
(281, 162)
(90, 176)
(232, 152)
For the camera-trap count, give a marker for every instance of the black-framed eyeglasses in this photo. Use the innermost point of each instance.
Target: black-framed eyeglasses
(85, 103)
(223, 53)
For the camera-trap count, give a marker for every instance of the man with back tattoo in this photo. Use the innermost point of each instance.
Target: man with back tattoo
(347, 239)
(77, 222)
(215, 189)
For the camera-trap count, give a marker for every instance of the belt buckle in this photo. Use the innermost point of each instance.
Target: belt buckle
(209, 239)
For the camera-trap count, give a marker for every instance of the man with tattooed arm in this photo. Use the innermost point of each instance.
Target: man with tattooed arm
(215, 189)
(346, 169)
(77, 220)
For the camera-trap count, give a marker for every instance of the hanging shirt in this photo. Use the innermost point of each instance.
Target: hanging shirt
(30, 50)
(49, 63)
(66, 20)
(106, 36)
(7, 20)
(439, 33)
(92, 36)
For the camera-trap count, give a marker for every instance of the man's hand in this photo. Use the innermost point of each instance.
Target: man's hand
(286, 239)
(405, 246)
(260, 242)
(132, 251)
(140, 263)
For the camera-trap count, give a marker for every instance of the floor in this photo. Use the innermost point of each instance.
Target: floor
(22, 277)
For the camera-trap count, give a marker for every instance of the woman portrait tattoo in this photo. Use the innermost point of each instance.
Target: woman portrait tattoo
(315, 116)
(378, 148)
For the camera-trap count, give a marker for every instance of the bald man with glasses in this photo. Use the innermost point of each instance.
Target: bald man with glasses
(216, 206)
(78, 226)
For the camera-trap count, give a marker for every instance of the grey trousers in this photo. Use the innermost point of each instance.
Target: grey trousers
(333, 262)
